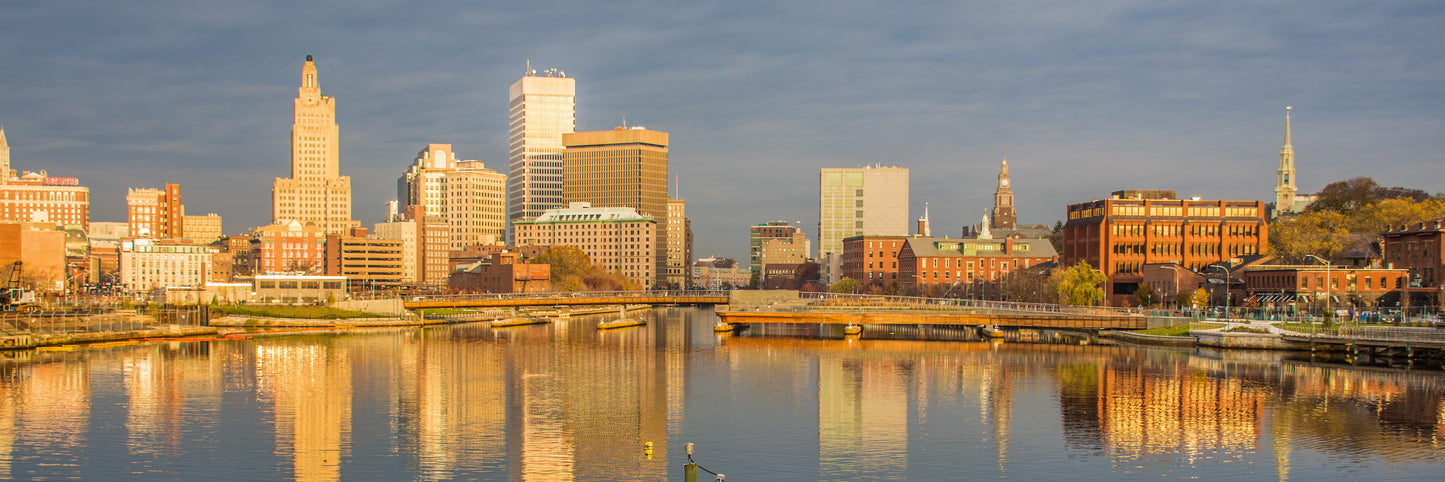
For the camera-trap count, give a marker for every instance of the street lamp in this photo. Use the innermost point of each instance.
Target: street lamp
(1226, 287)
(1328, 281)
(1175, 268)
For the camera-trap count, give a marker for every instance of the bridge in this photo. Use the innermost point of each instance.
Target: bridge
(511, 300)
(831, 308)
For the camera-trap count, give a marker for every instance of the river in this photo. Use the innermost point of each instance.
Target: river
(567, 402)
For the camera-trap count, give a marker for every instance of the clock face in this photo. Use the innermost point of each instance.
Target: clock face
(1004, 182)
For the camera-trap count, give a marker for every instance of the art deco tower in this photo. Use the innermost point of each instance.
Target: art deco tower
(316, 192)
(1284, 189)
(542, 109)
(1004, 216)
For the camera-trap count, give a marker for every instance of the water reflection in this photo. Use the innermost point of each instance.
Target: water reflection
(567, 402)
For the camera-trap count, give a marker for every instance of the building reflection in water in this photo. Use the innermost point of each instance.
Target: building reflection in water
(309, 388)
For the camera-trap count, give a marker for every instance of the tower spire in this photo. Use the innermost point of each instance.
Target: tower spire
(1284, 189)
(1286, 124)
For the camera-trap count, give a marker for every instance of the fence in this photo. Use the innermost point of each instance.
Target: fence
(103, 320)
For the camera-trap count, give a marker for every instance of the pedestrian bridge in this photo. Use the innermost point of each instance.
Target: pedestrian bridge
(510, 300)
(827, 308)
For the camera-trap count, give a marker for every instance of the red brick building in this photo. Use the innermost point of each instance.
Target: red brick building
(1417, 249)
(872, 259)
(1280, 284)
(947, 261)
(287, 247)
(1134, 228)
(502, 272)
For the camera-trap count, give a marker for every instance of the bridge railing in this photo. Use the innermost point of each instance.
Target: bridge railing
(571, 294)
(986, 305)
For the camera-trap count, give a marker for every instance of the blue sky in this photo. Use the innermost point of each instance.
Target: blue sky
(1089, 97)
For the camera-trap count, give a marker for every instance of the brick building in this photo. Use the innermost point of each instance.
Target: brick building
(1417, 249)
(1279, 285)
(1134, 228)
(924, 260)
(287, 248)
(502, 272)
(614, 237)
(872, 259)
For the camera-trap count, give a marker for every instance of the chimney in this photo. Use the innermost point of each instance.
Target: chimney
(1008, 245)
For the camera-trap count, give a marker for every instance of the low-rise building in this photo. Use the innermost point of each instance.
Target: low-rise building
(367, 263)
(502, 273)
(719, 273)
(948, 261)
(287, 247)
(40, 247)
(298, 288)
(1417, 248)
(147, 264)
(1279, 285)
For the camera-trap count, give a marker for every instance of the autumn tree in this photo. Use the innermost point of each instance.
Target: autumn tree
(1028, 288)
(1199, 298)
(1145, 295)
(1079, 285)
(569, 266)
(845, 285)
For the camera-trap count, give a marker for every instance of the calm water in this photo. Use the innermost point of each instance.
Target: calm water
(565, 401)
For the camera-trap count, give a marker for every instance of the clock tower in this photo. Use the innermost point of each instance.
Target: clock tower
(1004, 216)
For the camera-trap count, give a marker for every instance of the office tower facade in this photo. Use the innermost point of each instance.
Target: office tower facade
(678, 252)
(37, 197)
(542, 109)
(316, 193)
(618, 238)
(623, 167)
(202, 229)
(465, 194)
(758, 235)
(1004, 215)
(156, 213)
(859, 201)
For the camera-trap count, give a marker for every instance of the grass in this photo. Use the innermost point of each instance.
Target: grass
(1179, 330)
(307, 312)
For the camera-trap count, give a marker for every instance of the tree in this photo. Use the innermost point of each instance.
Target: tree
(1199, 298)
(845, 285)
(1056, 237)
(1349, 196)
(1183, 298)
(1026, 287)
(569, 266)
(1145, 295)
(1079, 285)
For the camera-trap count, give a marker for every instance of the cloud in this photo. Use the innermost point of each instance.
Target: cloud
(758, 96)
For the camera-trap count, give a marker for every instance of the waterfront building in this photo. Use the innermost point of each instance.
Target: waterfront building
(617, 238)
(365, 262)
(872, 259)
(1003, 214)
(405, 232)
(40, 247)
(147, 264)
(502, 272)
(679, 250)
(718, 273)
(38, 197)
(203, 229)
(542, 109)
(468, 196)
(763, 232)
(298, 288)
(871, 200)
(1279, 285)
(950, 261)
(288, 247)
(625, 167)
(1417, 248)
(426, 242)
(155, 213)
(1132, 228)
(316, 193)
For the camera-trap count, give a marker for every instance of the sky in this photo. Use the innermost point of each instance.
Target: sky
(1089, 97)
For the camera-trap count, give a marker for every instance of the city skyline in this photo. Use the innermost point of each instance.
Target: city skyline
(1089, 99)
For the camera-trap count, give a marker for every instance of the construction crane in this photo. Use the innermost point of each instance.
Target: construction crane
(12, 296)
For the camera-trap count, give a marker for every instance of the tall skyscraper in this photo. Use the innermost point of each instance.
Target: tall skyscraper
(316, 193)
(855, 201)
(623, 167)
(543, 108)
(1004, 216)
(469, 197)
(1284, 190)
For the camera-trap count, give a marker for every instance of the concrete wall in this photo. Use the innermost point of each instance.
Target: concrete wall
(760, 297)
(386, 307)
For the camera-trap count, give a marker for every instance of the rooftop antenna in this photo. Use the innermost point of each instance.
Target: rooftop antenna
(529, 67)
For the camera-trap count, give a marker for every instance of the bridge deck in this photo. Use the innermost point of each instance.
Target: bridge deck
(500, 302)
(1022, 320)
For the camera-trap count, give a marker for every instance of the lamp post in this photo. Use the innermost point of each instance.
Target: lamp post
(1175, 268)
(1226, 287)
(1328, 281)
